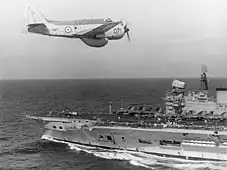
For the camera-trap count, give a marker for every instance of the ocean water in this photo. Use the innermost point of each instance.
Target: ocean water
(22, 145)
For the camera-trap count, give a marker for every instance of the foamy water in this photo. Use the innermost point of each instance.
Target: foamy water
(142, 159)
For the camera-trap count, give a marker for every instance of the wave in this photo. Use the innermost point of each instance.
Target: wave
(5, 138)
(37, 146)
(144, 160)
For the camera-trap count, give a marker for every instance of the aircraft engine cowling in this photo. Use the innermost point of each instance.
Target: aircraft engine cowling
(95, 42)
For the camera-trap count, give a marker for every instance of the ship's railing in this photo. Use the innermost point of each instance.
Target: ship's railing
(161, 125)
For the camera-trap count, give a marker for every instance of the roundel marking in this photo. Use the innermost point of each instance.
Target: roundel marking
(68, 29)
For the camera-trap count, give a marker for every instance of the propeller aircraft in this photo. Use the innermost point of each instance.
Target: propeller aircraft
(93, 32)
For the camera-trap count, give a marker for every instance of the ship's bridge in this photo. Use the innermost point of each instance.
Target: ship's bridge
(174, 98)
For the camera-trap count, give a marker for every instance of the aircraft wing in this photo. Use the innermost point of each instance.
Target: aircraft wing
(101, 29)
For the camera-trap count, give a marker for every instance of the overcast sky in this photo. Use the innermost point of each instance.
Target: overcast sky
(170, 38)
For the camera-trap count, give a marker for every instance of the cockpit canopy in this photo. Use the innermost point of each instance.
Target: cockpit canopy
(108, 19)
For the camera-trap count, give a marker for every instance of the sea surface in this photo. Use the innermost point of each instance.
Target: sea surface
(22, 145)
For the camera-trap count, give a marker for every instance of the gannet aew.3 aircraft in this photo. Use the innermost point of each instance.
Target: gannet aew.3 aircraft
(93, 32)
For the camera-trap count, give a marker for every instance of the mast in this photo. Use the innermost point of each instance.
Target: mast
(203, 78)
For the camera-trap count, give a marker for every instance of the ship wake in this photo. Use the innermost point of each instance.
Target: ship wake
(144, 160)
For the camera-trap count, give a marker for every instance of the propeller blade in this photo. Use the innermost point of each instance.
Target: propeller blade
(129, 39)
(127, 32)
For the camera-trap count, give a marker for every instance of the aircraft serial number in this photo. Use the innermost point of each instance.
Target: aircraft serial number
(117, 30)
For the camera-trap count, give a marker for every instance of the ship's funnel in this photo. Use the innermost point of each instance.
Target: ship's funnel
(221, 95)
(110, 107)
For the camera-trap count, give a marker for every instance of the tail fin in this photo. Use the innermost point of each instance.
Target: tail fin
(34, 16)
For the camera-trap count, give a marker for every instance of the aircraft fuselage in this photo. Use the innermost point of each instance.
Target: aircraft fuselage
(93, 32)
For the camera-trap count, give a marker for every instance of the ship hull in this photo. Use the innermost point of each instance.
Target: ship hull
(195, 158)
(150, 141)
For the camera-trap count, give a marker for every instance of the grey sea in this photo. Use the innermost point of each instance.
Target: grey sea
(21, 142)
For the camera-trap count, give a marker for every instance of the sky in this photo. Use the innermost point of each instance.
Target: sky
(169, 38)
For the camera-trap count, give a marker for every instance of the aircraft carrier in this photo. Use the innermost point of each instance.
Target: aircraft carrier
(192, 125)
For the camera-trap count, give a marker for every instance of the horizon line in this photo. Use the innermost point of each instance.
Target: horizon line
(102, 78)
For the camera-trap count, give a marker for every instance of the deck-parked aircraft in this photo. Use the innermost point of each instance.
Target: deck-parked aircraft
(93, 32)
